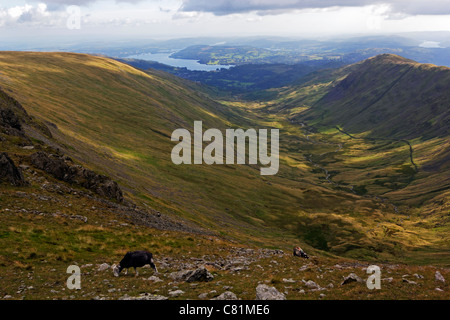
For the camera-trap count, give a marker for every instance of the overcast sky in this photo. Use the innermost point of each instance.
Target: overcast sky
(43, 20)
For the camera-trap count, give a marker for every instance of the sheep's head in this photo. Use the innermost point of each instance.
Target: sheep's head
(116, 270)
(152, 264)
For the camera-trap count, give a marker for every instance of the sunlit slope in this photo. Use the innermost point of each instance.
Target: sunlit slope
(393, 119)
(118, 120)
(114, 118)
(390, 96)
(381, 105)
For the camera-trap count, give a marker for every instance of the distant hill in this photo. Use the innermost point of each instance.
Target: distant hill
(390, 96)
(386, 109)
(246, 80)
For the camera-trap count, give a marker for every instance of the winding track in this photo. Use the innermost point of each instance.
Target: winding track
(385, 139)
(340, 147)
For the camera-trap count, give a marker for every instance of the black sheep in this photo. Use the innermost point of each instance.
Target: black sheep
(135, 259)
(298, 252)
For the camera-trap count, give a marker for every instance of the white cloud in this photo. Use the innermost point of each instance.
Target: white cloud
(28, 15)
(191, 15)
(16, 12)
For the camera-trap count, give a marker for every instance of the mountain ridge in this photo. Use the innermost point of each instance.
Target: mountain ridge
(367, 98)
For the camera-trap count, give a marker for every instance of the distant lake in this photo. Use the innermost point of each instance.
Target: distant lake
(430, 44)
(180, 63)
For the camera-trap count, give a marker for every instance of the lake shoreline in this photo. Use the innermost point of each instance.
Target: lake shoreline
(192, 65)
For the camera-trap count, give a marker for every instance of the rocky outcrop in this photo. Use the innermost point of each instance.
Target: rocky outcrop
(10, 115)
(9, 121)
(62, 168)
(9, 172)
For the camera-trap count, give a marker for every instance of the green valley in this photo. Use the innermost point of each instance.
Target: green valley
(364, 173)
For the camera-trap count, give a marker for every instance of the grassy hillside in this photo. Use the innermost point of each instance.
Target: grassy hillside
(336, 194)
(117, 120)
(388, 118)
(390, 96)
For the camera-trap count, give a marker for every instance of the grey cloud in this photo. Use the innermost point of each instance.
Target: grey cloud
(59, 3)
(65, 2)
(224, 7)
(431, 7)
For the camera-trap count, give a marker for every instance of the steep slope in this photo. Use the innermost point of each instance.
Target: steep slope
(389, 120)
(110, 116)
(117, 121)
(386, 97)
(49, 221)
(390, 96)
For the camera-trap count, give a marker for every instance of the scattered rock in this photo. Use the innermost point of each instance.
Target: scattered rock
(304, 267)
(24, 166)
(203, 295)
(200, 274)
(311, 284)
(439, 289)
(176, 293)
(409, 281)
(103, 267)
(154, 279)
(144, 296)
(351, 278)
(75, 217)
(439, 277)
(227, 295)
(264, 292)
